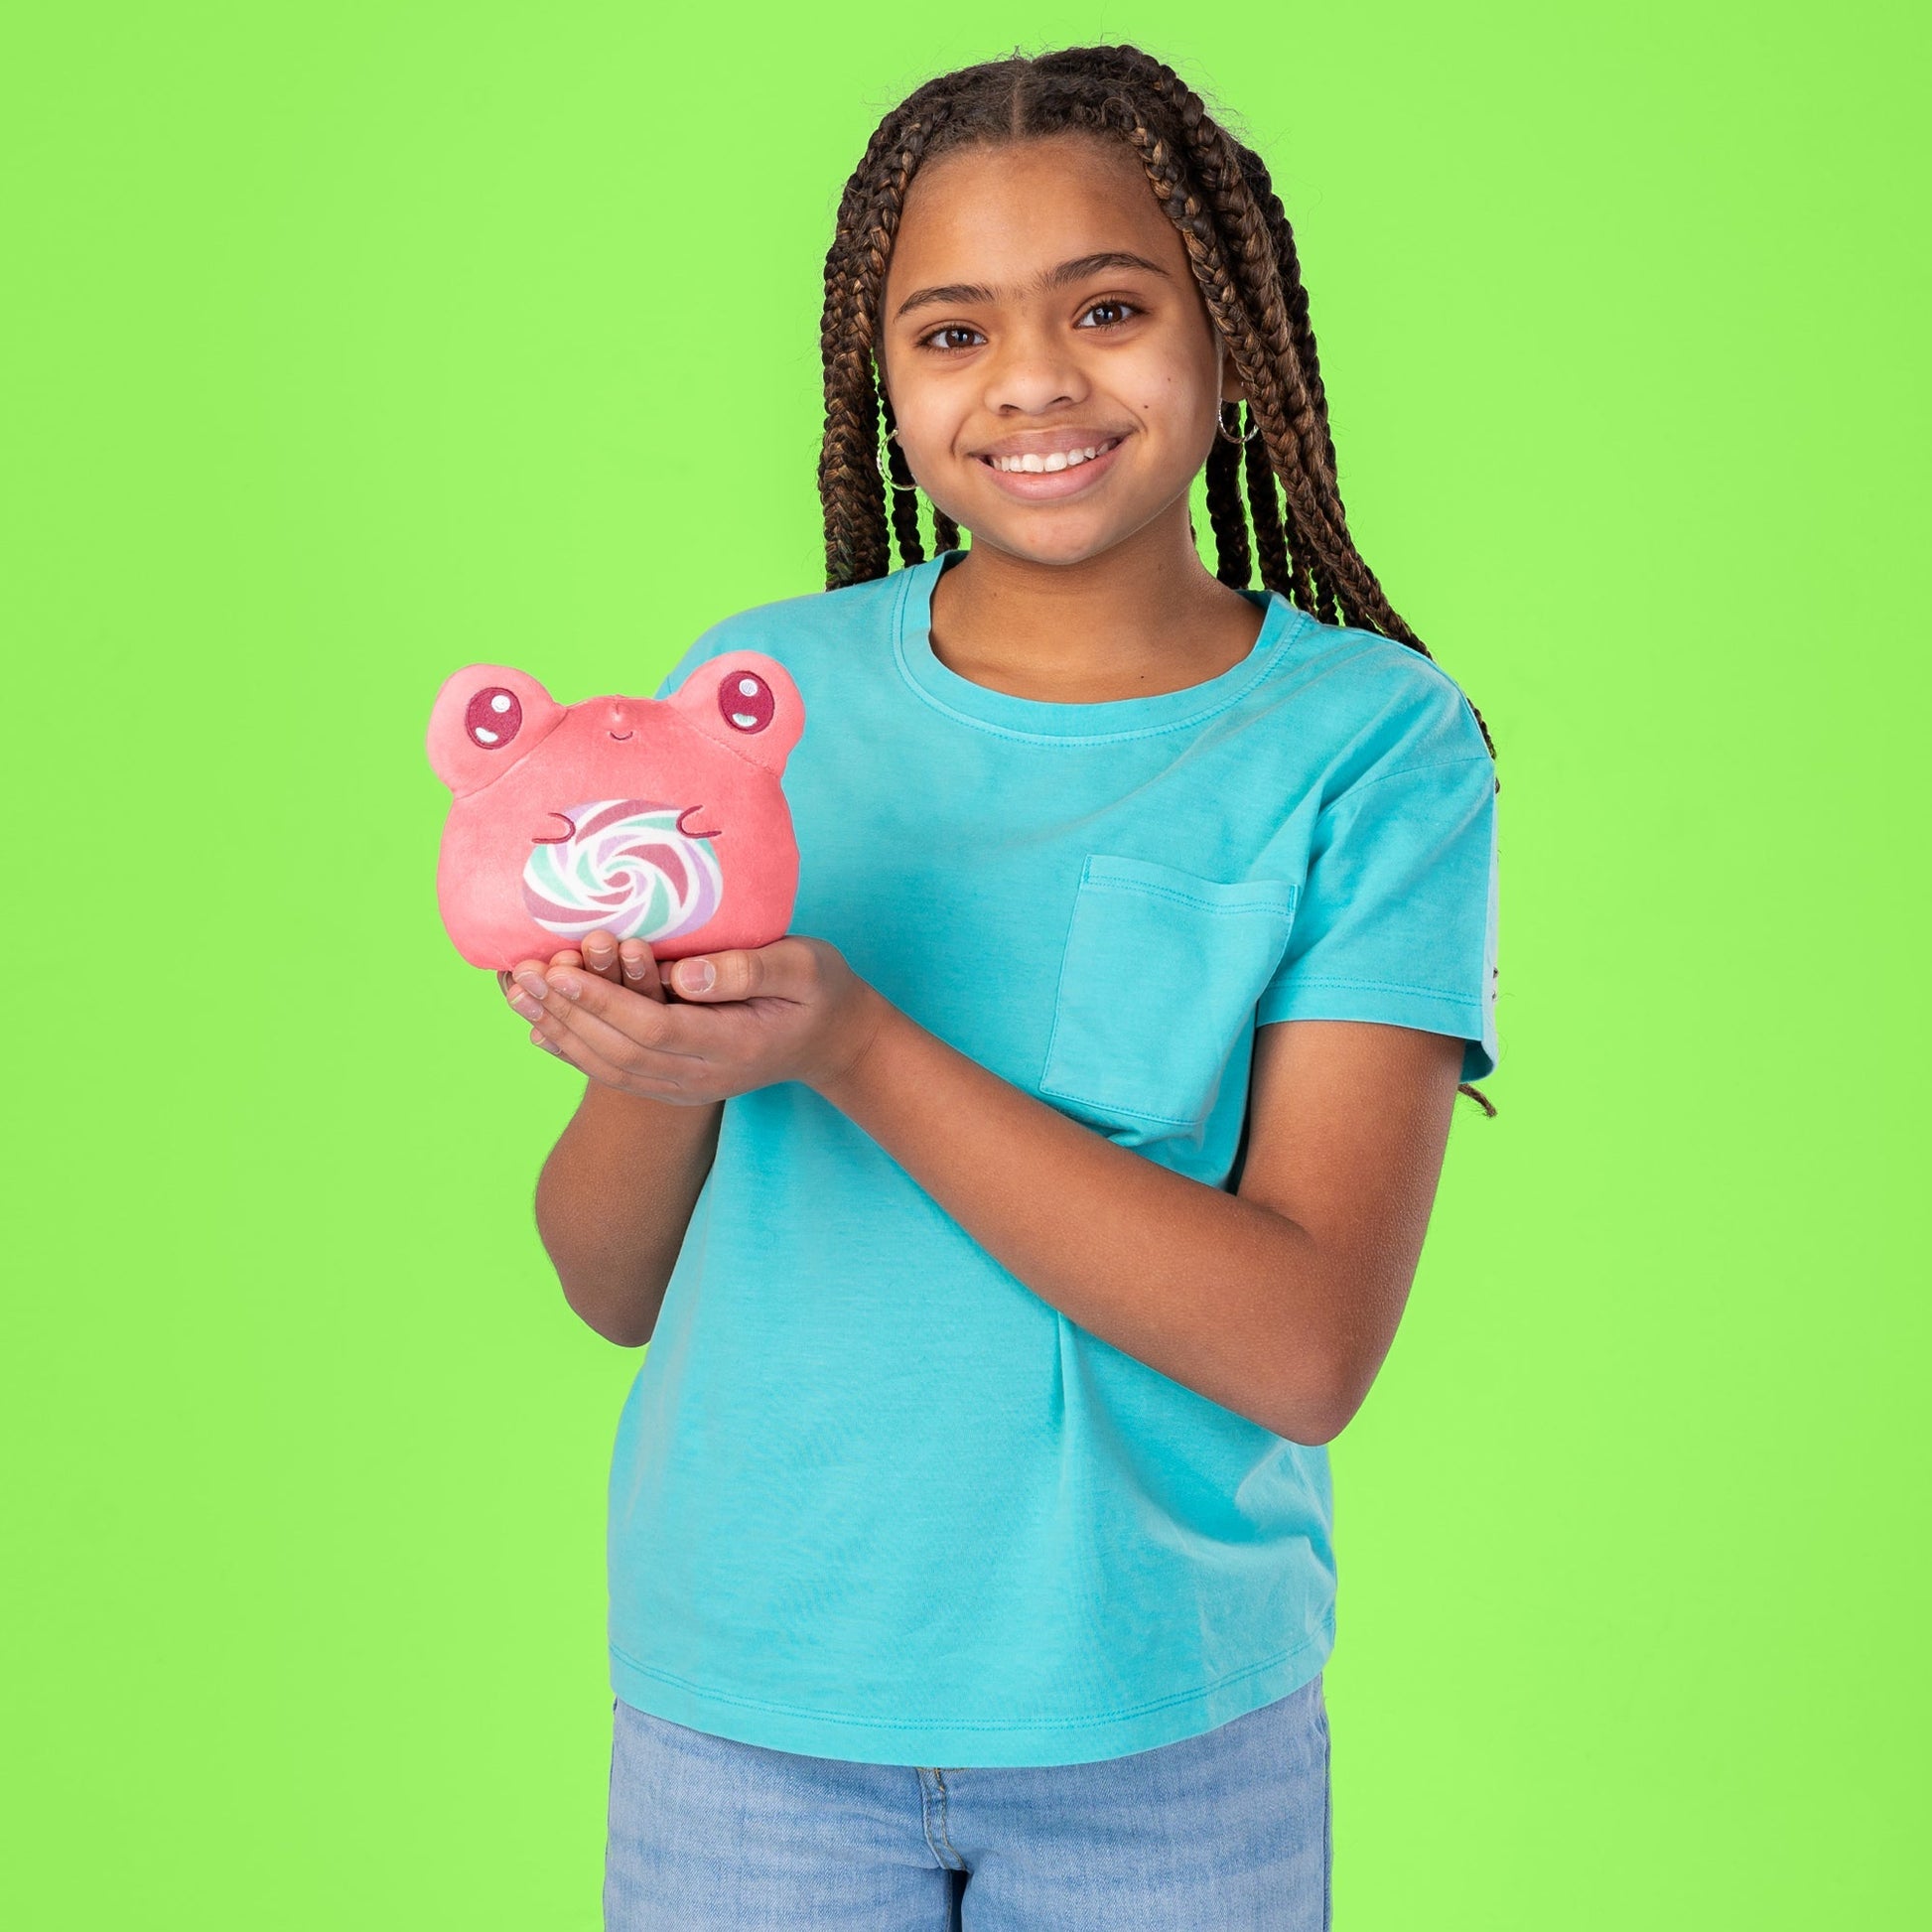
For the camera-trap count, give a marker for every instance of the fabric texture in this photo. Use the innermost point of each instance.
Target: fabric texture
(871, 1498)
(1230, 1832)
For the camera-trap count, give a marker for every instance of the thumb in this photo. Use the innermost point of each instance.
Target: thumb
(697, 978)
(715, 976)
(740, 972)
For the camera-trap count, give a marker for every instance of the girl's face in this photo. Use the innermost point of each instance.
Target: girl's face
(1038, 300)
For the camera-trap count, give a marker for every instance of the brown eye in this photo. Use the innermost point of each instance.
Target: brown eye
(493, 717)
(747, 701)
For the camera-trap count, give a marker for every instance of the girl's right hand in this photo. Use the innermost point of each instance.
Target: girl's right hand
(631, 964)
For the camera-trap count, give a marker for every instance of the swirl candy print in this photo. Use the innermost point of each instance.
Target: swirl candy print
(627, 868)
(660, 819)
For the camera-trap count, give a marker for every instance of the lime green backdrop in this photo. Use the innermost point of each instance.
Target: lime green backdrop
(349, 343)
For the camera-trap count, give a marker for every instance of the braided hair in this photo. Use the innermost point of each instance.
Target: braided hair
(1218, 194)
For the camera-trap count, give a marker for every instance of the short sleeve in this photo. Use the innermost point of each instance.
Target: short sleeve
(1397, 918)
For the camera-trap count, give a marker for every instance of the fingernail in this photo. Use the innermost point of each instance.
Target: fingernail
(696, 976)
(564, 985)
(528, 1009)
(532, 984)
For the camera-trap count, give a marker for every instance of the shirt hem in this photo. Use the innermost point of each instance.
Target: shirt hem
(972, 1741)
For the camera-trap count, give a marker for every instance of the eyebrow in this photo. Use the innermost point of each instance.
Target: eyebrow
(1074, 271)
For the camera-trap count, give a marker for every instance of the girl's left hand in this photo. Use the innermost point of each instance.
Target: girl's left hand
(791, 1010)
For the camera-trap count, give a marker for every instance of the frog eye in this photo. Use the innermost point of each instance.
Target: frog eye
(747, 701)
(493, 717)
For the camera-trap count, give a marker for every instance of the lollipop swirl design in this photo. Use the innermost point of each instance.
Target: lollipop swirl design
(624, 866)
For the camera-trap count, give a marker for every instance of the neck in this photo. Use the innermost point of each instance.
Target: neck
(1139, 607)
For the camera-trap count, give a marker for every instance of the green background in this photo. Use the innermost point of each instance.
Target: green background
(349, 343)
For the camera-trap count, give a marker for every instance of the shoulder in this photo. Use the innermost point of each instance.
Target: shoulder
(788, 628)
(1383, 705)
(810, 612)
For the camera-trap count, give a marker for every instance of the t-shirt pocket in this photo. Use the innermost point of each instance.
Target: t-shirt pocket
(1160, 976)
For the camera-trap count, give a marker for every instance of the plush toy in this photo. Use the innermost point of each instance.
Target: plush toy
(660, 819)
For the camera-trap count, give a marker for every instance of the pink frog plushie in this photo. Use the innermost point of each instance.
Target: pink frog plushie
(660, 819)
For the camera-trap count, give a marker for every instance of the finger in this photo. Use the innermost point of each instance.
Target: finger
(741, 973)
(626, 1078)
(573, 1052)
(523, 987)
(601, 955)
(703, 977)
(640, 967)
(619, 1027)
(526, 985)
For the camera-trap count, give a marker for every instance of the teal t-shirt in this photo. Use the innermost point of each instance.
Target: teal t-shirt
(873, 1498)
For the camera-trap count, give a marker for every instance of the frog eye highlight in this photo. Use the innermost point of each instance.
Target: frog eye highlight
(493, 718)
(747, 702)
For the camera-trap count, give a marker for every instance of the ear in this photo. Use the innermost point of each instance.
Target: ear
(485, 717)
(747, 701)
(1232, 387)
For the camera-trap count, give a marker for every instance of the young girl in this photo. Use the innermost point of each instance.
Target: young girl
(1013, 1236)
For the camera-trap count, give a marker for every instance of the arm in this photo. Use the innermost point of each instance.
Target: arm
(1278, 1302)
(613, 1201)
(614, 1198)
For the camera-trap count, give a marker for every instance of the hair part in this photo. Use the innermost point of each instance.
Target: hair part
(1274, 500)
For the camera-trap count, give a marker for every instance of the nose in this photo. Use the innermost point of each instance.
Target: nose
(1032, 369)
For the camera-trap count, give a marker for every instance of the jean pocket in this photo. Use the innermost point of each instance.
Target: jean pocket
(1158, 979)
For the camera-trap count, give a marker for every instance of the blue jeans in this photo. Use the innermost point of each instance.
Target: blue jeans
(1227, 1832)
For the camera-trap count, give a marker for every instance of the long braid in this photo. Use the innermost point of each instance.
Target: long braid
(1234, 563)
(1277, 269)
(1278, 400)
(1268, 269)
(1301, 330)
(906, 501)
(1277, 385)
(1277, 572)
(1209, 149)
(851, 486)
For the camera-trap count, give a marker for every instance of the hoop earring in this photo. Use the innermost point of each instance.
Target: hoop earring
(885, 468)
(1222, 423)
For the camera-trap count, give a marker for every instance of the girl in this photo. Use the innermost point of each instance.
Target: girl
(1014, 1235)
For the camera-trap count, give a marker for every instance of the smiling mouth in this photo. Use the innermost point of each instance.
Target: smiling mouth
(1050, 466)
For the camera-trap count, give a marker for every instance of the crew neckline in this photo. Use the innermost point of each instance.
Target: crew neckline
(1002, 711)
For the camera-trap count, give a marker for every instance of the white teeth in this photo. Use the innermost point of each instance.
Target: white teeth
(1060, 460)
